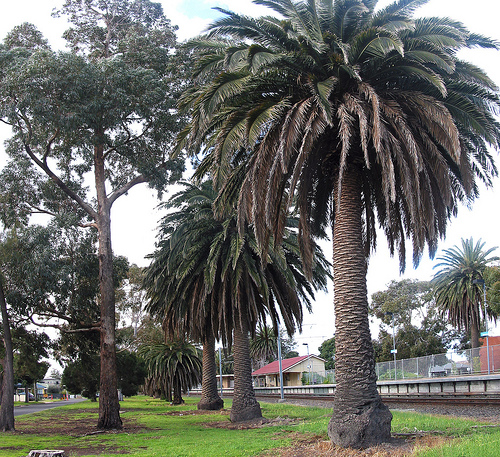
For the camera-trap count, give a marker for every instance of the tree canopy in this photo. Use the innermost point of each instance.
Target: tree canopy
(106, 109)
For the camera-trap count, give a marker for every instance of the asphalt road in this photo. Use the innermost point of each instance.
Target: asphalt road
(33, 407)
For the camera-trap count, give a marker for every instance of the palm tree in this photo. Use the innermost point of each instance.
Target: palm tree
(174, 365)
(207, 279)
(264, 346)
(457, 291)
(357, 117)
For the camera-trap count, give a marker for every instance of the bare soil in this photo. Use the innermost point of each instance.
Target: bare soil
(71, 425)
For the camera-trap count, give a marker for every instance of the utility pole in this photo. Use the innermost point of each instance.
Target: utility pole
(280, 365)
(394, 350)
(481, 281)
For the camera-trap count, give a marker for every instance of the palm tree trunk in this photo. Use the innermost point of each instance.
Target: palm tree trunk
(177, 392)
(210, 399)
(474, 335)
(245, 405)
(360, 419)
(7, 397)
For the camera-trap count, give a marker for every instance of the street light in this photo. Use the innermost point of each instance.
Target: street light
(220, 370)
(309, 361)
(481, 281)
(282, 395)
(394, 350)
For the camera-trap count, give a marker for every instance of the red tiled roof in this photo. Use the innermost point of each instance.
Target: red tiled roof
(274, 367)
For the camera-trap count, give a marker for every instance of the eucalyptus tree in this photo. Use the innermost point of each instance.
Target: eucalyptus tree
(358, 117)
(457, 291)
(105, 109)
(207, 279)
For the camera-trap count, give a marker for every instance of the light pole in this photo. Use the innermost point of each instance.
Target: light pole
(220, 371)
(394, 350)
(308, 360)
(481, 281)
(282, 394)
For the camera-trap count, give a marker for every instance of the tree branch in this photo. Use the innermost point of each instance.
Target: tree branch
(124, 189)
(129, 139)
(73, 195)
(92, 328)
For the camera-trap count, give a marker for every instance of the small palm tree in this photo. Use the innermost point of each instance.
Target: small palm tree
(457, 291)
(172, 366)
(358, 117)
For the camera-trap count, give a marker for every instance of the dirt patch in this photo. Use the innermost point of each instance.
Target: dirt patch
(71, 425)
(317, 446)
(197, 412)
(256, 423)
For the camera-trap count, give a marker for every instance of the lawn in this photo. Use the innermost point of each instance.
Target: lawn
(154, 428)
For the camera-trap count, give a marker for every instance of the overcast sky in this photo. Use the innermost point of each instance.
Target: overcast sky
(134, 217)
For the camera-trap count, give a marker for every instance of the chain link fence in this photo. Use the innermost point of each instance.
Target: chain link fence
(483, 360)
(480, 361)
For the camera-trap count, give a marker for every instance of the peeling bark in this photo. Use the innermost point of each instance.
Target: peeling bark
(109, 406)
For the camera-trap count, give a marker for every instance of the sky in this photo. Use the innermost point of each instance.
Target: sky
(135, 217)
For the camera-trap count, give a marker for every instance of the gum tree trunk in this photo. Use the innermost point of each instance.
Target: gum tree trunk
(360, 419)
(109, 407)
(210, 399)
(245, 405)
(7, 398)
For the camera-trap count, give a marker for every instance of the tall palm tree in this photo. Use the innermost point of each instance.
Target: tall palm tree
(207, 279)
(174, 365)
(355, 116)
(457, 291)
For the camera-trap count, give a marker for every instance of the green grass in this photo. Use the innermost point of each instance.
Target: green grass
(154, 428)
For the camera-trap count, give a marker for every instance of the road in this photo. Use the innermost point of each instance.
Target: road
(32, 407)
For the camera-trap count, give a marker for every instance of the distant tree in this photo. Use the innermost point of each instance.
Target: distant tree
(327, 352)
(30, 347)
(131, 372)
(81, 376)
(264, 346)
(55, 374)
(419, 327)
(131, 298)
(458, 294)
(106, 107)
(492, 278)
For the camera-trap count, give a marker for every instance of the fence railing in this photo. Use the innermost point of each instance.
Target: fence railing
(483, 360)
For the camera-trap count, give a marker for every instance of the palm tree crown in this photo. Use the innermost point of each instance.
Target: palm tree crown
(357, 117)
(338, 83)
(456, 288)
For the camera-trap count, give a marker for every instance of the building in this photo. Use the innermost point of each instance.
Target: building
(494, 347)
(309, 366)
